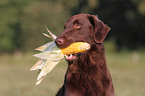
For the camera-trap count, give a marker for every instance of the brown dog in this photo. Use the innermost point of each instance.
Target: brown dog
(87, 73)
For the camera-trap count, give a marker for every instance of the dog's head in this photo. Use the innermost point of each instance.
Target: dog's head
(82, 28)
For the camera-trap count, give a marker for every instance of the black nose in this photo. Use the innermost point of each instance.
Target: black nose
(59, 41)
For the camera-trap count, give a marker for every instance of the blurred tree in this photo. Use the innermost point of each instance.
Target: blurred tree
(79, 6)
(10, 31)
(22, 21)
(38, 14)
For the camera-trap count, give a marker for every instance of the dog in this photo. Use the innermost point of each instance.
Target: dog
(87, 73)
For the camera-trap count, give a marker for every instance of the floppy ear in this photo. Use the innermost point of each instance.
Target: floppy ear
(100, 30)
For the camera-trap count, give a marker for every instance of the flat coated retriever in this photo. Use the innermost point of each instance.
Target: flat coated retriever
(87, 73)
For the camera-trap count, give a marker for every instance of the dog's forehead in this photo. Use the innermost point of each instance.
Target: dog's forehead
(79, 17)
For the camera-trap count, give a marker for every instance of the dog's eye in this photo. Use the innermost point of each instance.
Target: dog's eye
(77, 26)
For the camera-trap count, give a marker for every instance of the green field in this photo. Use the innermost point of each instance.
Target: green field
(127, 70)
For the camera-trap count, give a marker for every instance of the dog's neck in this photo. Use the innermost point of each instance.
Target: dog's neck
(89, 67)
(90, 61)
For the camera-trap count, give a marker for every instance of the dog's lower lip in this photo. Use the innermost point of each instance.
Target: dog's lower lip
(70, 57)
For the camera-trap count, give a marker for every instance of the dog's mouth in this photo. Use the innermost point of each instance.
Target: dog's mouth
(74, 50)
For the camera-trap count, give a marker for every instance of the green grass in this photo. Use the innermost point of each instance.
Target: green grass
(128, 76)
(16, 80)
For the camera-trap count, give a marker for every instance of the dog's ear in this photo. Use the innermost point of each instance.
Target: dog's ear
(100, 30)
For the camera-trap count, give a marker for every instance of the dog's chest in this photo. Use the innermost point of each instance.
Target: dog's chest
(80, 84)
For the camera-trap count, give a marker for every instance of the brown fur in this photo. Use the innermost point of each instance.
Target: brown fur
(88, 74)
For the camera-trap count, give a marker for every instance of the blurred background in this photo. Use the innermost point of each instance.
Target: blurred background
(21, 27)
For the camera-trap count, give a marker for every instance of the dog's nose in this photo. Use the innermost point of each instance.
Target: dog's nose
(59, 41)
